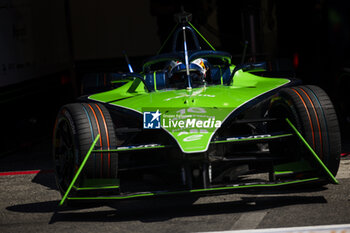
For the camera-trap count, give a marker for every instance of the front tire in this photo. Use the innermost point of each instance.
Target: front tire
(77, 125)
(311, 111)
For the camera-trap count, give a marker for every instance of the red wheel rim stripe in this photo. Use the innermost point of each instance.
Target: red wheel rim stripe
(308, 114)
(99, 132)
(318, 122)
(109, 154)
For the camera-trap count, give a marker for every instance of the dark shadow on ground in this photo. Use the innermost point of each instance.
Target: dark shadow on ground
(46, 178)
(160, 209)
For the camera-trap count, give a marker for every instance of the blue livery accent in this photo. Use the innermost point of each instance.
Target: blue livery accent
(220, 75)
(156, 80)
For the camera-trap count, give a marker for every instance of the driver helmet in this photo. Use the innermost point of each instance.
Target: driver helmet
(199, 66)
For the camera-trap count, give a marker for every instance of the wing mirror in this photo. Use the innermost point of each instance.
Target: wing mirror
(254, 67)
(247, 67)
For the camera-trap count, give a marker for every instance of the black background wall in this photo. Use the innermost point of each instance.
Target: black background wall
(48, 46)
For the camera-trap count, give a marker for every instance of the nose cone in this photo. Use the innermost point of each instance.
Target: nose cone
(193, 127)
(191, 117)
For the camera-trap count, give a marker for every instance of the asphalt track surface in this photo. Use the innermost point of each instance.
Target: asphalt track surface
(29, 203)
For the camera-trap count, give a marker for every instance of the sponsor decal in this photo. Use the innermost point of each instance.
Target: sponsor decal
(192, 119)
(249, 137)
(194, 137)
(191, 123)
(137, 146)
(151, 120)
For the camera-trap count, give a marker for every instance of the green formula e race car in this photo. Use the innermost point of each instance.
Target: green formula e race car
(192, 123)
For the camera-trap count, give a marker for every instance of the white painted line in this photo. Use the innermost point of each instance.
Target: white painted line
(308, 229)
(344, 169)
(249, 220)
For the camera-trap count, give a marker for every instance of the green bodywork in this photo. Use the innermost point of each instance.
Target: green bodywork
(217, 100)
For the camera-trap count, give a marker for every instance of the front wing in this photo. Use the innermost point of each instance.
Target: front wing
(279, 170)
